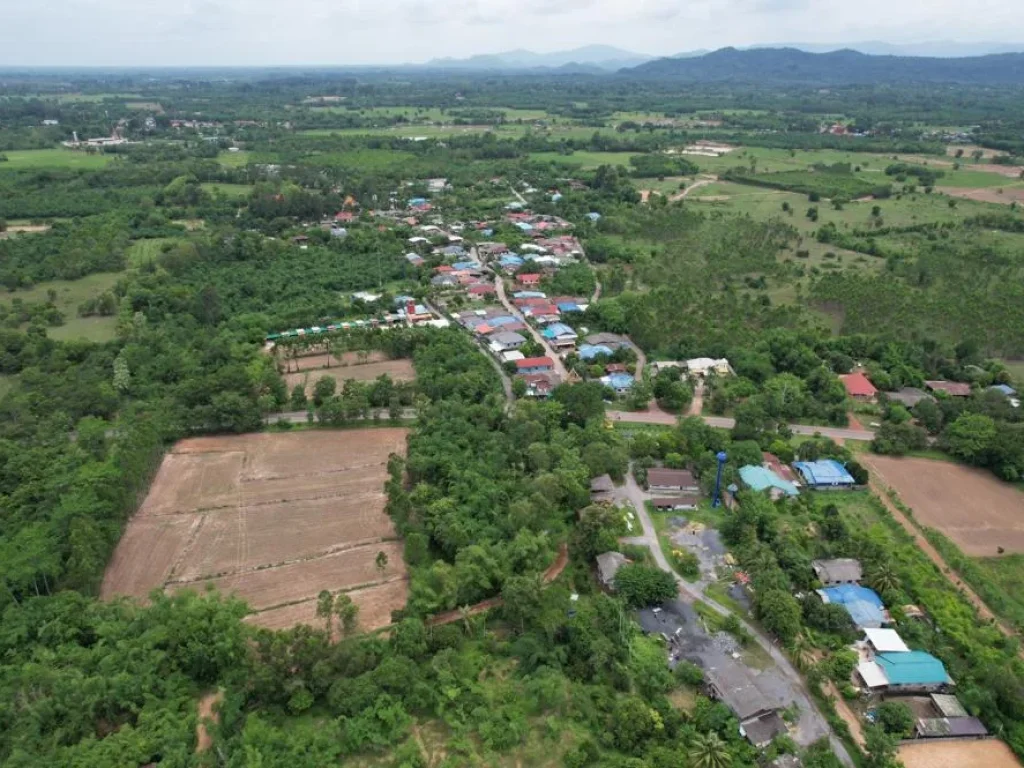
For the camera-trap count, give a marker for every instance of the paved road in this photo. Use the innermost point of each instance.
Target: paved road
(723, 422)
(560, 368)
(812, 724)
(300, 417)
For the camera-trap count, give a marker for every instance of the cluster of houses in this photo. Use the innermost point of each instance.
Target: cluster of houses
(887, 666)
(859, 387)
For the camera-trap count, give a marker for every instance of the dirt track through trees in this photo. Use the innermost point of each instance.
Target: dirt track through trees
(273, 518)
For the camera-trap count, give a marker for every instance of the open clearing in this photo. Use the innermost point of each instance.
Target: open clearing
(53, 158)
(70, 294)
(398, 370)
(272, 518)
(990, 753)
(970, 506)
(1001, 195)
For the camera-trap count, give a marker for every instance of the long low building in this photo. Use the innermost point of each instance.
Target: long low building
(908, 672)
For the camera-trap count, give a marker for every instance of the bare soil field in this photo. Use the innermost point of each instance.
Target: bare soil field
(1008, 196)
(273, 518)
(317, 360)
(969, 149)
(974, 509)
(398, 370)
(990, 753)
(375, 606)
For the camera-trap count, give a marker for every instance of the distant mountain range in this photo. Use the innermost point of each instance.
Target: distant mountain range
(843, 67)
(600, 59)
(941, 49)
(590, 58)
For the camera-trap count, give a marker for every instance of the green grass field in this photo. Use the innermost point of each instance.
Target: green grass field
(1016, 369)
(19, 159)
(143, 251)
(70, 294)
(977, 179)
(228, 190)
(234, 159)
(760, 203)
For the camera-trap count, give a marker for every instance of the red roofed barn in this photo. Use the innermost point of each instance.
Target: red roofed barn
(858, 386)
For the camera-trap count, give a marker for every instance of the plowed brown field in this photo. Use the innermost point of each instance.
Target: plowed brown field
(273, 518)
(977, 511)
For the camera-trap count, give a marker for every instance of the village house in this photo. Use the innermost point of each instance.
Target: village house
(908, 396)
(825, 475)
(608, 564)
(535, 365)
(764, 479)
(949, 720)
(906, 672)
(838, 571)
(660, 480)
(506, 340)
(620, 383)
(540, 384)
(684, 501)
(529, 280)
(951, 388)
(601, 489)
(733, 684)
(560, 336)
(859, 387)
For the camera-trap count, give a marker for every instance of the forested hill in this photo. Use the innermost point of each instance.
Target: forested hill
(789, 65)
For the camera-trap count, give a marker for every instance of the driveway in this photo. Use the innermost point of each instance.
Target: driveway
(782, 678)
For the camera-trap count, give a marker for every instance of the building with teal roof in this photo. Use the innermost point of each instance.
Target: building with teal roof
(917, 670)
(763, 479)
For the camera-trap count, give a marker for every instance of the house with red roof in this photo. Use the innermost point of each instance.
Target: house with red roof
(345, 216)
(858, 386)
(482, 289)
(534, 365)
(531, 280)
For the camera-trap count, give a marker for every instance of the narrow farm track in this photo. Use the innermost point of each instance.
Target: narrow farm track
(696, 185)
(552, 573)
(954, 578)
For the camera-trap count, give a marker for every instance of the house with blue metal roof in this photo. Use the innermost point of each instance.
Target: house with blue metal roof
(864, 605)
(501, 320)
(622, 383)
(594, 216)
(763, 479)
(568, 306)
(590, 352)
(529, 295)
(826, 474)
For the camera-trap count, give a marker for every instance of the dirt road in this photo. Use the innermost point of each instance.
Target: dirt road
(696, 185)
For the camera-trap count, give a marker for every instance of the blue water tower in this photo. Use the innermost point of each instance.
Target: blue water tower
(717, 501)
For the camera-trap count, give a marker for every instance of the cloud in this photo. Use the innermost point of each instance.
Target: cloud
(265, 32)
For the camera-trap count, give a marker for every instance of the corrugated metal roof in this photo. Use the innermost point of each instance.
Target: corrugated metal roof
(761, 478)
(912, 668)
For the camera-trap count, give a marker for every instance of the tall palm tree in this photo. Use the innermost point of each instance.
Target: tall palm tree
(802, 652)
(882, 578)
(709, 751)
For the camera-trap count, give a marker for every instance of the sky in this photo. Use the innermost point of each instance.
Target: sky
(344, 32)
